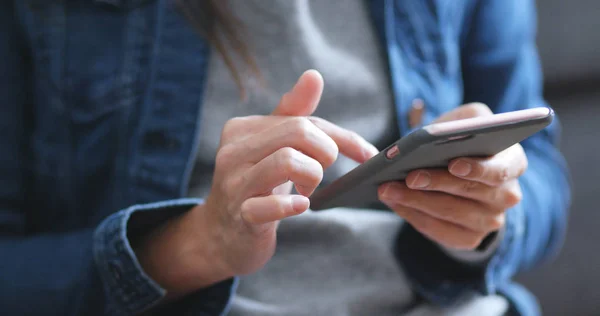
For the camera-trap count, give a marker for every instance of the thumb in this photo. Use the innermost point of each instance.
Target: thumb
(304, 97)
(464, 112)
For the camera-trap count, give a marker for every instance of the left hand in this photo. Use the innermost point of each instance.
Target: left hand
(460, 206)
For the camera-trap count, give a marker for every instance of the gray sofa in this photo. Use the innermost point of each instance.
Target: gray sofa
(568, 39)
(569, 45)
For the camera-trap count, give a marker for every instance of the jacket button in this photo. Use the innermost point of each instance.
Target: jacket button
(415, 116)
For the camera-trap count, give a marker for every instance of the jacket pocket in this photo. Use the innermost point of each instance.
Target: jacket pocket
(90, 59)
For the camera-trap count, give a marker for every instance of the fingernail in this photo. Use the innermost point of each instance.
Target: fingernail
(461, 168)
(312, 72)
(422, 180)
(385, 192)
(390, 193)
(300, 203)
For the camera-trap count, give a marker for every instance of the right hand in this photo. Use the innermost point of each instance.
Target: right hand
(234, 232)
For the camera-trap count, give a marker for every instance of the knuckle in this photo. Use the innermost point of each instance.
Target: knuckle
(476, 221)
(331, 155)
(513, 196)
(333, 148)
(225, 156)
(301, 127)
(494, 223)
(318, 173)
(231, 126)
(285, 159)
(469, 186)
(479, 109)
(313, 174)
(495, 196)
(501, 176)
(304, 130)
(524, 163)
(524, 167)
(232, 184)
(286, 153)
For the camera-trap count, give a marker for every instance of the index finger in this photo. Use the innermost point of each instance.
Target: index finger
(465, 111)
(349, 143)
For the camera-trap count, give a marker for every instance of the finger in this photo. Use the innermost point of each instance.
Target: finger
(503, 197)
(286, 164)
(317, 137)
(349, 143)
(301, 100)
(460, 211)
(465, 111)
(494, 171)
(240, 128)
(304, 97)
(298, 133)
(445, 233)
(266, 209)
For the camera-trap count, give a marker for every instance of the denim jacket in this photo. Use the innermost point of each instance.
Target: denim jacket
(100, 101)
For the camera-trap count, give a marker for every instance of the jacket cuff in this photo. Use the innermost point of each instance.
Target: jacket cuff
(479, 255)
(442, 279)
(129, 290)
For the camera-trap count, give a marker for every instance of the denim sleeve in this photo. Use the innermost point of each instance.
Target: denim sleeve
(56, 274)
(128, 289)
(501, 69)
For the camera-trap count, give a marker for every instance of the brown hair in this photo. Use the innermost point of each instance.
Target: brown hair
(222, 30)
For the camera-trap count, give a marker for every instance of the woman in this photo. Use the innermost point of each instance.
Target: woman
(135, 179)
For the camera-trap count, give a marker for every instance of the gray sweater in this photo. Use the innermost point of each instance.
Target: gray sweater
(337, 262)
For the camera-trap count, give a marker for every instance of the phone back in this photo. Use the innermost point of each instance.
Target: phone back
(420, 149)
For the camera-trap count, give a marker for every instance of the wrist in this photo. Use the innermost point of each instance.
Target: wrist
(184, 254)
(480, 255)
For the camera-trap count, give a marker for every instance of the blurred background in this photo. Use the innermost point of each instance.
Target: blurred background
(569, 43)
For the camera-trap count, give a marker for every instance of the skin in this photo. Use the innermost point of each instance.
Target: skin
(258, 159)
(261, 157)
(460, 206)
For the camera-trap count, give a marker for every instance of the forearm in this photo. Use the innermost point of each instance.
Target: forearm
(97, 272)
(171, 270)
(183, 254)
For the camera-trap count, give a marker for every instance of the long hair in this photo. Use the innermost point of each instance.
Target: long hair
(223, 31)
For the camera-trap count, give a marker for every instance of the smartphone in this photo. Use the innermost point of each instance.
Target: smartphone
(432, 146)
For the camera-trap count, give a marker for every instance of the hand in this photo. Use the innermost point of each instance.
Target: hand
(234, 232)
(460, 206)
